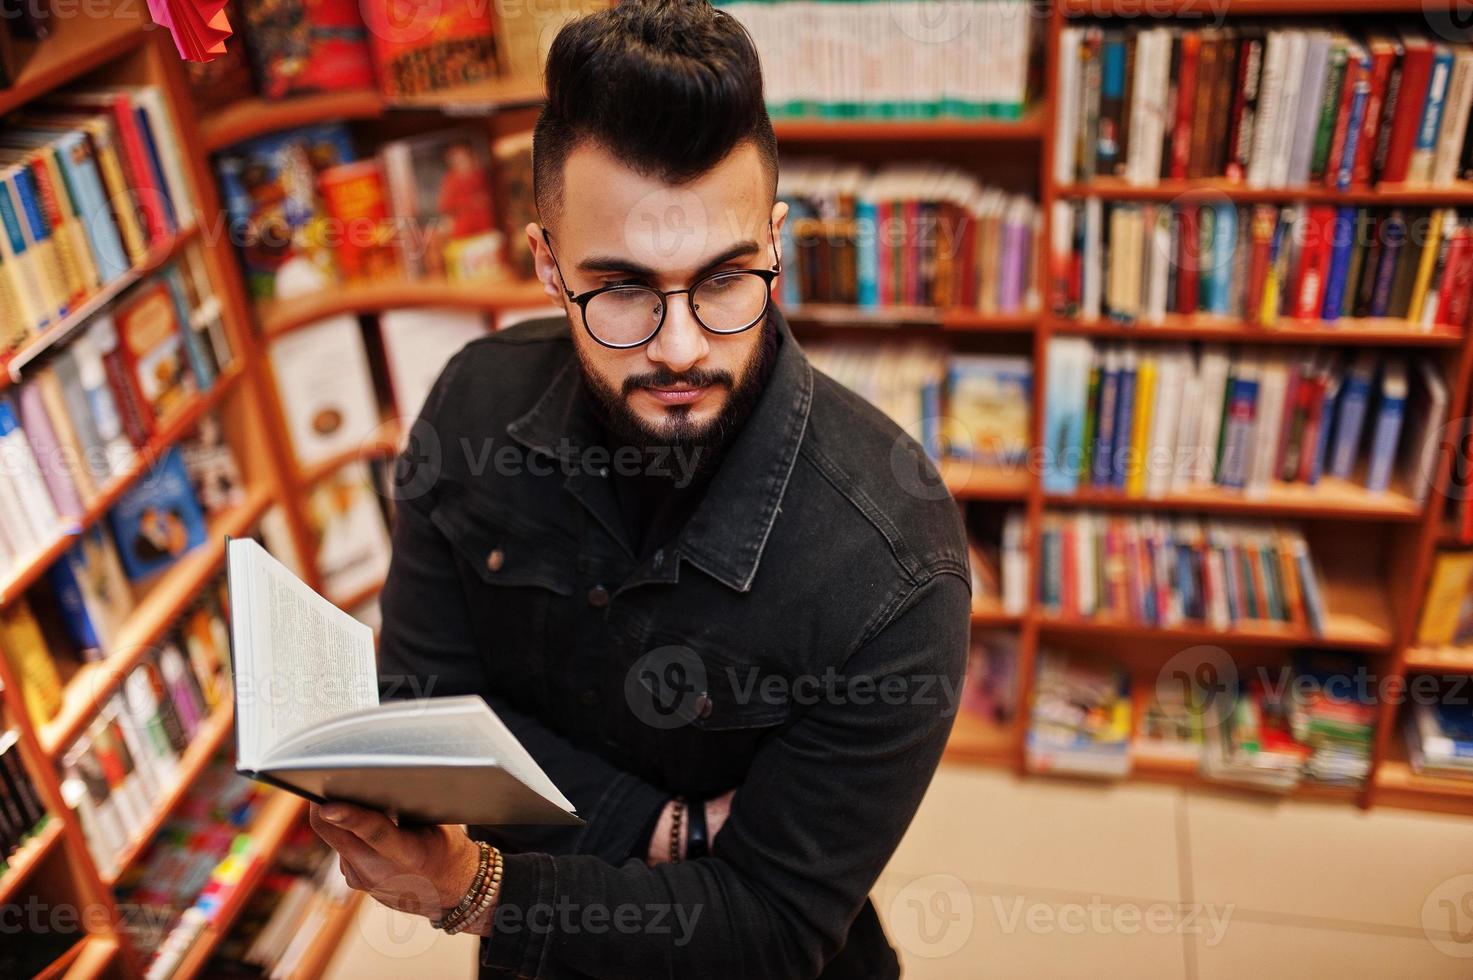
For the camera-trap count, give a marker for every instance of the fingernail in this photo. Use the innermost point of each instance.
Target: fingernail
(334, 814)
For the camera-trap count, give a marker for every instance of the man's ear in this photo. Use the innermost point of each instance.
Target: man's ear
(543, 266)
(779, 215)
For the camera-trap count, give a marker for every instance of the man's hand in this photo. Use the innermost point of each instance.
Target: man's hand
(717, 810)
(420, 870)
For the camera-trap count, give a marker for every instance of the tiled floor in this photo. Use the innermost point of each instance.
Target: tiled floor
(1001, 877)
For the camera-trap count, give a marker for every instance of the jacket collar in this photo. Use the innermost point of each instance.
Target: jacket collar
(728, 532)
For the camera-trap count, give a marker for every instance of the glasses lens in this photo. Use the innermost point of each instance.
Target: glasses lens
(624, 316)
(730, 301)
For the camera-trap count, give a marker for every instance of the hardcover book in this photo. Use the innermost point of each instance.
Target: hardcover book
(157, 520)
(440, 193)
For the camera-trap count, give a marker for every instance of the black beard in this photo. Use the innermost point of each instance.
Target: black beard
(703, 444)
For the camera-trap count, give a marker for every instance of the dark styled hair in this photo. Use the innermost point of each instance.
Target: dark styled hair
(668, 87)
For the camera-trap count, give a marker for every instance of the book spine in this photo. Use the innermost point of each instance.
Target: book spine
(1411, 99)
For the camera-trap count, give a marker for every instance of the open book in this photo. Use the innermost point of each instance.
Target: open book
(308, 718)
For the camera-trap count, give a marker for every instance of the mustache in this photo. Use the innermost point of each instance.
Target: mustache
(665, 378)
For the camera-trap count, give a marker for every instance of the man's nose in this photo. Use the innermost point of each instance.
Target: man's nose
(681, 343)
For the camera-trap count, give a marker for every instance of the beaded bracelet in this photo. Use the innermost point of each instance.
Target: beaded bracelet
(677, 816)
(488, 898)
(473, 893)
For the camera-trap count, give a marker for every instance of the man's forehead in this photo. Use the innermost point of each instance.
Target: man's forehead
(609, 208)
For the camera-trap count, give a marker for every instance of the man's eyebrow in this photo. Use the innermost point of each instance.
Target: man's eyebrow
(616, 263)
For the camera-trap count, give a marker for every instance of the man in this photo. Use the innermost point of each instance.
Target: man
(683, 567)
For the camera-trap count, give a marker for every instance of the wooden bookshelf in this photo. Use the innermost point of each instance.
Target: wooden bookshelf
(254, 117)
(283, 316)
(1210, 329)
(882, 317)
(32, 854)
(1028, 128)
(1246, 8)
(1330, 499)
(980, 740)
(315, 961)
(159, 609)
(77, 45)
(1443, 660)
(87, 959)
(1459, 194)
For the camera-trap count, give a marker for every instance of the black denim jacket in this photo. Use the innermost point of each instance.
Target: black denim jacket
(801, 641)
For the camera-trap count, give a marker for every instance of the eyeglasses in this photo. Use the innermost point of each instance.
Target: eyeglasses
(627, 315)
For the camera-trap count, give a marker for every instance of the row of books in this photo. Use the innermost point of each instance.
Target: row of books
(193, 867)
(999, 566)
(1137, 263)
(1440, 738)
(1156, 419)
(1447, 609)
(969, 406)
(77, 613)
(23, 812)
(1165, 572)
(88, 185)
(294, 47)
(1265, 104)
(905, 59)
(1092, 718)
(117, 771)
(906, 235)
(307, 210)
(285, 912)
(81, 417)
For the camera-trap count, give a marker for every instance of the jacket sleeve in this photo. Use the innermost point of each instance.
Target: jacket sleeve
(822, 809)
(428, 648)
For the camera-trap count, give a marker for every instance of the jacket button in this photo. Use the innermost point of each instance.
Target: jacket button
(496, 559)
(589, 698)
(704, 705)
(598, 597)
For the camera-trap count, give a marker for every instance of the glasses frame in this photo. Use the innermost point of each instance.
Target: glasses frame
(584, 298)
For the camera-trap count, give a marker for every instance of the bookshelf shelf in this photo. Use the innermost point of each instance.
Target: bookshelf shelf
(974, 481)
(284, 316)
(1446, 659)
(329, 935)
(182, 421)
(1378, 332)
(191, 763)
(979, 740)
(59, 966)
(87, 959)
(990, 614)
(1387, 195)
(1157, 8)
(386, 441)
(280, 813)
(29, 857)
(159, 609)
(480, 99)
(1330, 499)
(844, 315)
(1029, 127)
(1396, 784)
(1344, 631)
(257, 117)
(60, 332)
(78, 45)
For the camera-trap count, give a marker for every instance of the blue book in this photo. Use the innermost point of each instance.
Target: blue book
(156, 165)
(1389, 415)
(1124, 414)
(1327, 423)
(1342, 244)
(1224, 240)
(79, 173)
(1068, 383)
(1442, 66)
(158, 520)
(1360, 96)
(36, 227)
(1238, 422)
(790, 289)
(1350, 416)
(1099, 456)
(20, 256)
(200, 360)
(866, 253)
(92, 592)
(1112, 92)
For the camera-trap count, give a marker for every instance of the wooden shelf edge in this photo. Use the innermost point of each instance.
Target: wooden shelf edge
(29, 857)
(60, 332)
(181, 422)
(1155, 8)
(63, 58)
(175, 589)
(1117, 189)
(248, 118)
(489, 295)
(952, 128)
(385, 442)
(198, 755)
(1396, 785)
(1367, 332)
(87, 958)
(329, 937)
(1254, 634)
(976, 740)
(1283, 503)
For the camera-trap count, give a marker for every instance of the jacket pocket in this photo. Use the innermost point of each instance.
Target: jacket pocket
(514, 577)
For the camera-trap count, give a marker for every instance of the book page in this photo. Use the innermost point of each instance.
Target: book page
(299, 659)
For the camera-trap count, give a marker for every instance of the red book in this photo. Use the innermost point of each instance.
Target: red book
(884, 263)
(1315, 396)
(1384, 52)
(1314, 262)
(1355, 70)
(1293, 406)
(1452, 300)
(137, 167)
(911, 283)
(1250, 61)
(1186, 94)
(1265, 217)
(1416, 75)
(1188, 255)
(431, 49)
